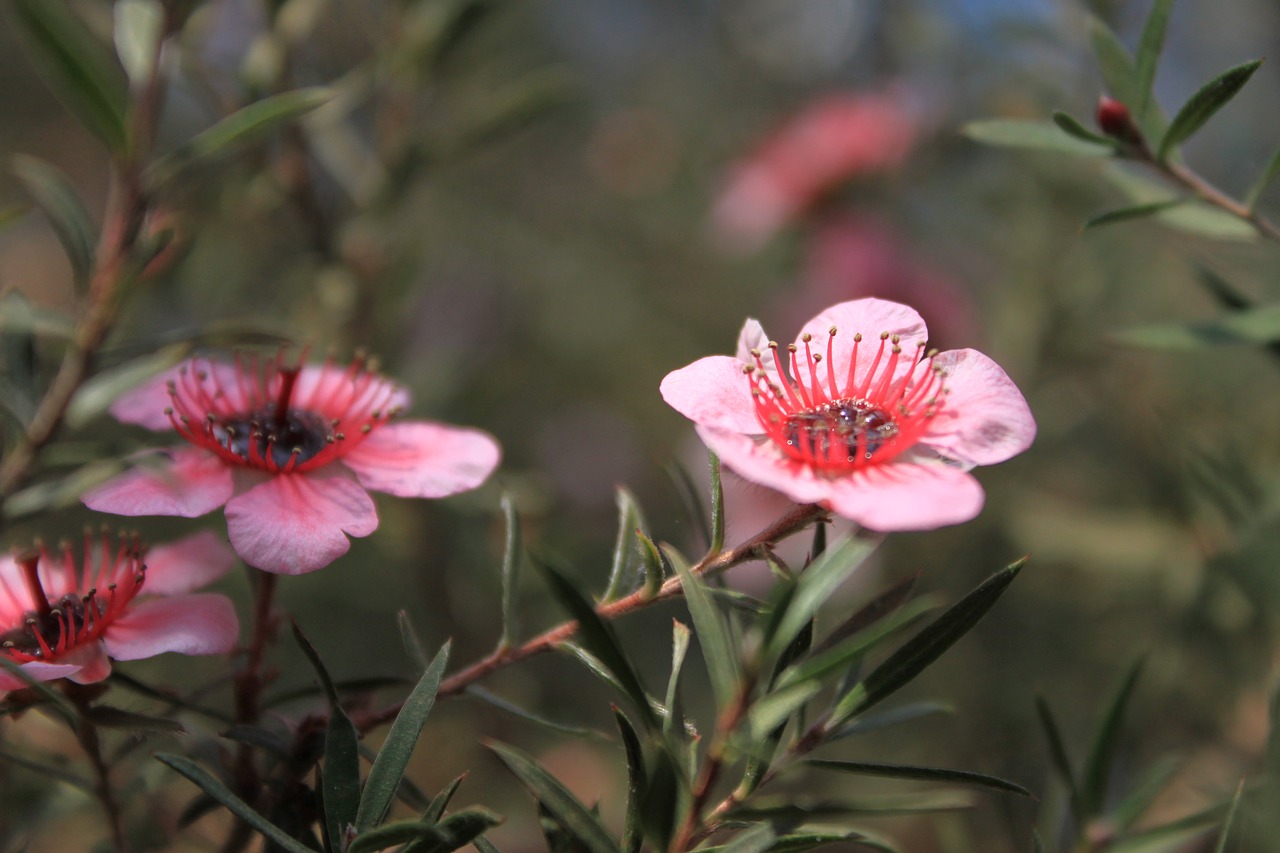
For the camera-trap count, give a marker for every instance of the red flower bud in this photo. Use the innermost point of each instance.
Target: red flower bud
(1114, 120)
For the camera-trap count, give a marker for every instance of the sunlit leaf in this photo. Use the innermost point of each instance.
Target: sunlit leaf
(1211, 97)
(775, 709)
(1033, 135)
(568, 811)
(57, 198)
(718, 650)
(815, 587)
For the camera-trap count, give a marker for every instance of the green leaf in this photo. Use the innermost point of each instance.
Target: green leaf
(814, 588)
(873, 611)
(1211, 97)
(665, 798)
(656, 566)
(1115, 62)
(799, 842)
(139, 25)
(922, 774)
(62, 492)
(884, 719)
(97, 394)
(118, 718)
(54, 195)
(393, 835)
(679, 647)
(60, 703)
(927, 646)
(1149, 46)
(440, 802)
(637, 783)
(457, 830)
(1097, 770)
(1221, 846)
(245, 125)
(510, 571)
(341, 783)
(77, 66)
(576, 818)
(1259, 325)
(1060, 759)
(757, 839)
(717, 506)
(483, 845)
(1264, 180)
(490, 698)
(393, 756)
(1139, 211)
(1072, 127)
(17, 314)
(1033, 135)
(210, 784)
(622, 570)
(599, 639)
(718, 649)
(774, 710)
(1194, 216)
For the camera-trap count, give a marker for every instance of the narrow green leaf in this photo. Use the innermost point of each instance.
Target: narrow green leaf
(457, 830)
(679, 647)
(412, 643)
(656, 568)
(1141, 796)
(393, 756)
(622, 570)
(393, 835)
(1193, 823)
(922, 774)
(440, 802)
(96, 395)
(1221, 846)
(1060, 759)
(60, 703)
(484, 845)
(1032, 135)
(510, 571)
(118, 718)
(717, 505)
(490, 698)
(1072, 127)
(1211, 97)
(1115, 62)
(637, 782)
(1194, 216)
(796, 810)
(873, 611)
(927, 646)
(1264, 180)
(137, 32)
(897, 716)
(1149, 46)
(816, 586)
(803, 841)
(1097, 770)
(55, 196)
(572, 814)
(599, 639)
(718, 650)
(1138, 211)
(757, 839)
(77, 66)
(245, 125)
(665, 796)
(775, 709)
(210, 784)
(341, 784)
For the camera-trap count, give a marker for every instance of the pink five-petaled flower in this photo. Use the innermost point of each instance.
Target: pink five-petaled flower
(63, 618)
(291, 451)
(860, 419)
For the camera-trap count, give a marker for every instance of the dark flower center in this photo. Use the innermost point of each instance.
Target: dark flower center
(298, 435)
(66, 617)
(848, 427)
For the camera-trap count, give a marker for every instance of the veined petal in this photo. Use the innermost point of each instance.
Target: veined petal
(760, 462)
(296, 523)
(39, 671)
(907, 496)
(192, 483)
(421, 459)
(985, 419)
(713, 392)
(188, 563)
(92, 663)
(145, 404)
(195, 624)
(870, 318)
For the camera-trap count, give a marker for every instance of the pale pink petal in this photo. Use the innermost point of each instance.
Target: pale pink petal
(761, 462)
(197, 624)
(192, 483)
(15, 598)
(188, 564)
(330, 389)
(752, 337)
(39, 671)
(420, 459)
(906, 496)
(713, 392)
(145, 404)
(870, 318)
(296, 523)
(93, 663)
(985, 418)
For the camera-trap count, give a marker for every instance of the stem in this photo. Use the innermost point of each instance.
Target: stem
(694, 828)
(710, 565)
(87, 734)
(1211, 195)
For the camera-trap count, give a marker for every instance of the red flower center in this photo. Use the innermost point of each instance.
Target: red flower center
(867, 416)
(253, 415)
(97, 596)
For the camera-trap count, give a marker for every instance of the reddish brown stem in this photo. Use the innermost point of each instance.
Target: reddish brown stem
(87, 735)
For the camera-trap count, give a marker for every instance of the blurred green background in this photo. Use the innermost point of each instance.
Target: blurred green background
(518, 221)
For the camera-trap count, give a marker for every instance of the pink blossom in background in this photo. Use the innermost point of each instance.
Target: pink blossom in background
(291, 452)
(856, 417)
(831, 140)
(63, 617)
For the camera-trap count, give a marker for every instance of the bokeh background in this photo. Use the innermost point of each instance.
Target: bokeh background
(522, 222)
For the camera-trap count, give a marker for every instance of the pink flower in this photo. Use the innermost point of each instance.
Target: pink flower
(831, 140)
(858, 421)
(291, 451)
(60, 618)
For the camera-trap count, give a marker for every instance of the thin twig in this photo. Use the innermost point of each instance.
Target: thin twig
(87, 734)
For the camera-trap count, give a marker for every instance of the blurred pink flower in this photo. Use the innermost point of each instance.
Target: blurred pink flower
(832, 139)
(291, 451)
(63, 618)
(861, 425)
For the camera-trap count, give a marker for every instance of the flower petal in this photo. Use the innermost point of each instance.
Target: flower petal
(38, 670)
(762, 463)
(713, 392)
(92, 663)
(193, 483)
(334, 391)
(421, 459)
(296, 523)
(985, 419)
(907, 496)
(145, 404)
(870, 318)
(187, 564)
(198, 624)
